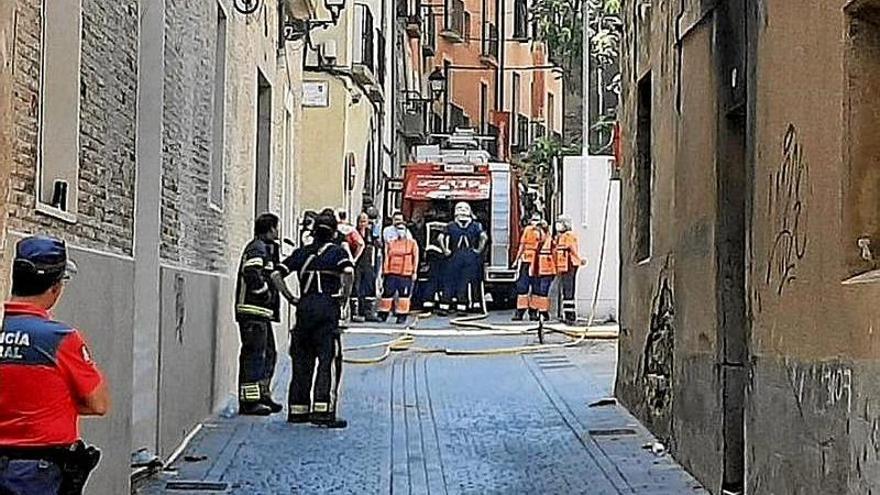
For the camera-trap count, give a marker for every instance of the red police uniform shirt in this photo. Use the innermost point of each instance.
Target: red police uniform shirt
(45, 369)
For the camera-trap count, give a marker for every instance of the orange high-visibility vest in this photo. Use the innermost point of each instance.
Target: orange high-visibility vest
(401, 257)
(546, 261)
(531, 238)
(567, 252)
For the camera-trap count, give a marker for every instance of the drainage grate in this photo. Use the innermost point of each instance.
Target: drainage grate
(191, 486)
(614, 432)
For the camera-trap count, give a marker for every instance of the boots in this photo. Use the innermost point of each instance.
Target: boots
(401, 319)
(518, 316)
(370, 310)
(570, 318)
(253, 409)
(328, 420)
(533, 314)
(545, 316)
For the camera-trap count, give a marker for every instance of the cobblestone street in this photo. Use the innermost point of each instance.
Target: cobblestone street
(431, 423)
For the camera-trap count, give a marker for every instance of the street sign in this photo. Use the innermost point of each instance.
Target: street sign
(315, 94)
(458, 168)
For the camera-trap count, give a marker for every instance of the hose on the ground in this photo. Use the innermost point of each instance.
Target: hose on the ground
(579, 337)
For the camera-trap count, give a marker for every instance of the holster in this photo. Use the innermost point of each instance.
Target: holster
(76, 462)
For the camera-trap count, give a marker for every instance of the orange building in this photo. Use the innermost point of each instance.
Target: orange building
(497, 77)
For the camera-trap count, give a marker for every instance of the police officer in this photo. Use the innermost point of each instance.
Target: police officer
(568, 260)
(400, 271)
(48, 380)
(256, 307)
(529, 241)
(465, 241)
(325, 272)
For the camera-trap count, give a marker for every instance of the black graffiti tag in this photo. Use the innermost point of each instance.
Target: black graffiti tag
(789, 187)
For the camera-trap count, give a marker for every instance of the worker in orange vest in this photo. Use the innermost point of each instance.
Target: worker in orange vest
(543, 273)
(400, 270)
(568, 260)
(525, 257)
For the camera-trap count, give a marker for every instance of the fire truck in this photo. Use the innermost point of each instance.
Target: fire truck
(458, 170)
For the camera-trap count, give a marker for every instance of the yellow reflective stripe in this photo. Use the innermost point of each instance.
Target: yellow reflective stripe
(258, 262)
(253, 310)
(299, 409)
(322, 407)
(250, 393)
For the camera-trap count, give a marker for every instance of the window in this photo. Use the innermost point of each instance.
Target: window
(520, 19)
(643, 171)
(514, 105)
(861, 144)
(216, 185)
(58, 160)
(484, 108)
(551, 112)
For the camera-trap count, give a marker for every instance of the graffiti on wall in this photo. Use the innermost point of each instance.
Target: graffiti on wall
(821, 388)
(659, 346)
(789, 187)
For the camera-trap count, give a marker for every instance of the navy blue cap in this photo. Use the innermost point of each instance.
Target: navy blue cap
(45, 255)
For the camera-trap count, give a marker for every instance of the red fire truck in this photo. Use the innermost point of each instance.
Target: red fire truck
(459, 170)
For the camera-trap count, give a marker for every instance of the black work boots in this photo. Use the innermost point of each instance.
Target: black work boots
(253, 409)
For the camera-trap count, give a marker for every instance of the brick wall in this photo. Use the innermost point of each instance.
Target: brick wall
(192, 231)
(108, 113)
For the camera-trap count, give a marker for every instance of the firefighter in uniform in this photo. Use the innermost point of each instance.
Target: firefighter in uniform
(432, 275)
(464, 241)
(49, 380)
(257, 305)
(568, 260)
(543, 273)
(529, 242)
(325, 272)
(399, 271)
(364, 300)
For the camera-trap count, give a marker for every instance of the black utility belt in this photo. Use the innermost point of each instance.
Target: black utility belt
(55, 454)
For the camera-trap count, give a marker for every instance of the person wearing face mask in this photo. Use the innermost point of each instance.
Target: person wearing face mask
(529, 242)
(568, 260)
(464, 242)
(400, 270)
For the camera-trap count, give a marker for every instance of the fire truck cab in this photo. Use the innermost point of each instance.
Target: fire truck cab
(459, 170)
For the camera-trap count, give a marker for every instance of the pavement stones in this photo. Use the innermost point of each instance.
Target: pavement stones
(436, 424)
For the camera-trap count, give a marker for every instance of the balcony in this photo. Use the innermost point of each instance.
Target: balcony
(521, 134)
(456, 25)
(364, 46)
(489, 52)
(429, 34)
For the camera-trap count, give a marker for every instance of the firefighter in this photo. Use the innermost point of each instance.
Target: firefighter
(431, 275)
(543, 273)
(529, 242)
(325, 272)
(256, 307)
(364, 302)
(568, 260)
(464, 242)
(400, 271)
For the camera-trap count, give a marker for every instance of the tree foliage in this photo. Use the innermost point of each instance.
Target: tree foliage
(560, 26)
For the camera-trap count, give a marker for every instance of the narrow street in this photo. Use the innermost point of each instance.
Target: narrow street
(432, 423)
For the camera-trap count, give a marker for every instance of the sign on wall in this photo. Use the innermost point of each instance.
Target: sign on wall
(316, 94)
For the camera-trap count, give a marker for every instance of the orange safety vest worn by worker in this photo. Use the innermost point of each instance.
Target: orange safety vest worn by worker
(531, 238)
(401, 257)
(546, 265)
(567, 252)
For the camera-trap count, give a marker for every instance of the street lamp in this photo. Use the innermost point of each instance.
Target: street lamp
(296, 29)
(246, 7)
(437, 81)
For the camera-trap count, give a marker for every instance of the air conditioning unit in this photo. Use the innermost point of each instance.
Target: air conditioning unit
(329, 53)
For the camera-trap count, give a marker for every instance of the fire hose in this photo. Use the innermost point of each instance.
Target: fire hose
(406, 341)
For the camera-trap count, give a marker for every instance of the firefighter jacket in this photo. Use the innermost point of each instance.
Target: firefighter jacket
(255, 295)
(545, 264)
(567, 255)
(402, 257)
(529, 242)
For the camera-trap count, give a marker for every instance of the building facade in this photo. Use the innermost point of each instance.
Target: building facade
(345, 87)
(748, 239)
(149, 134)
(497, 78)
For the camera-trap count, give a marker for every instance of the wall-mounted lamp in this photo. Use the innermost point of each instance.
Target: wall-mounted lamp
(246, 7)
(297, 29)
